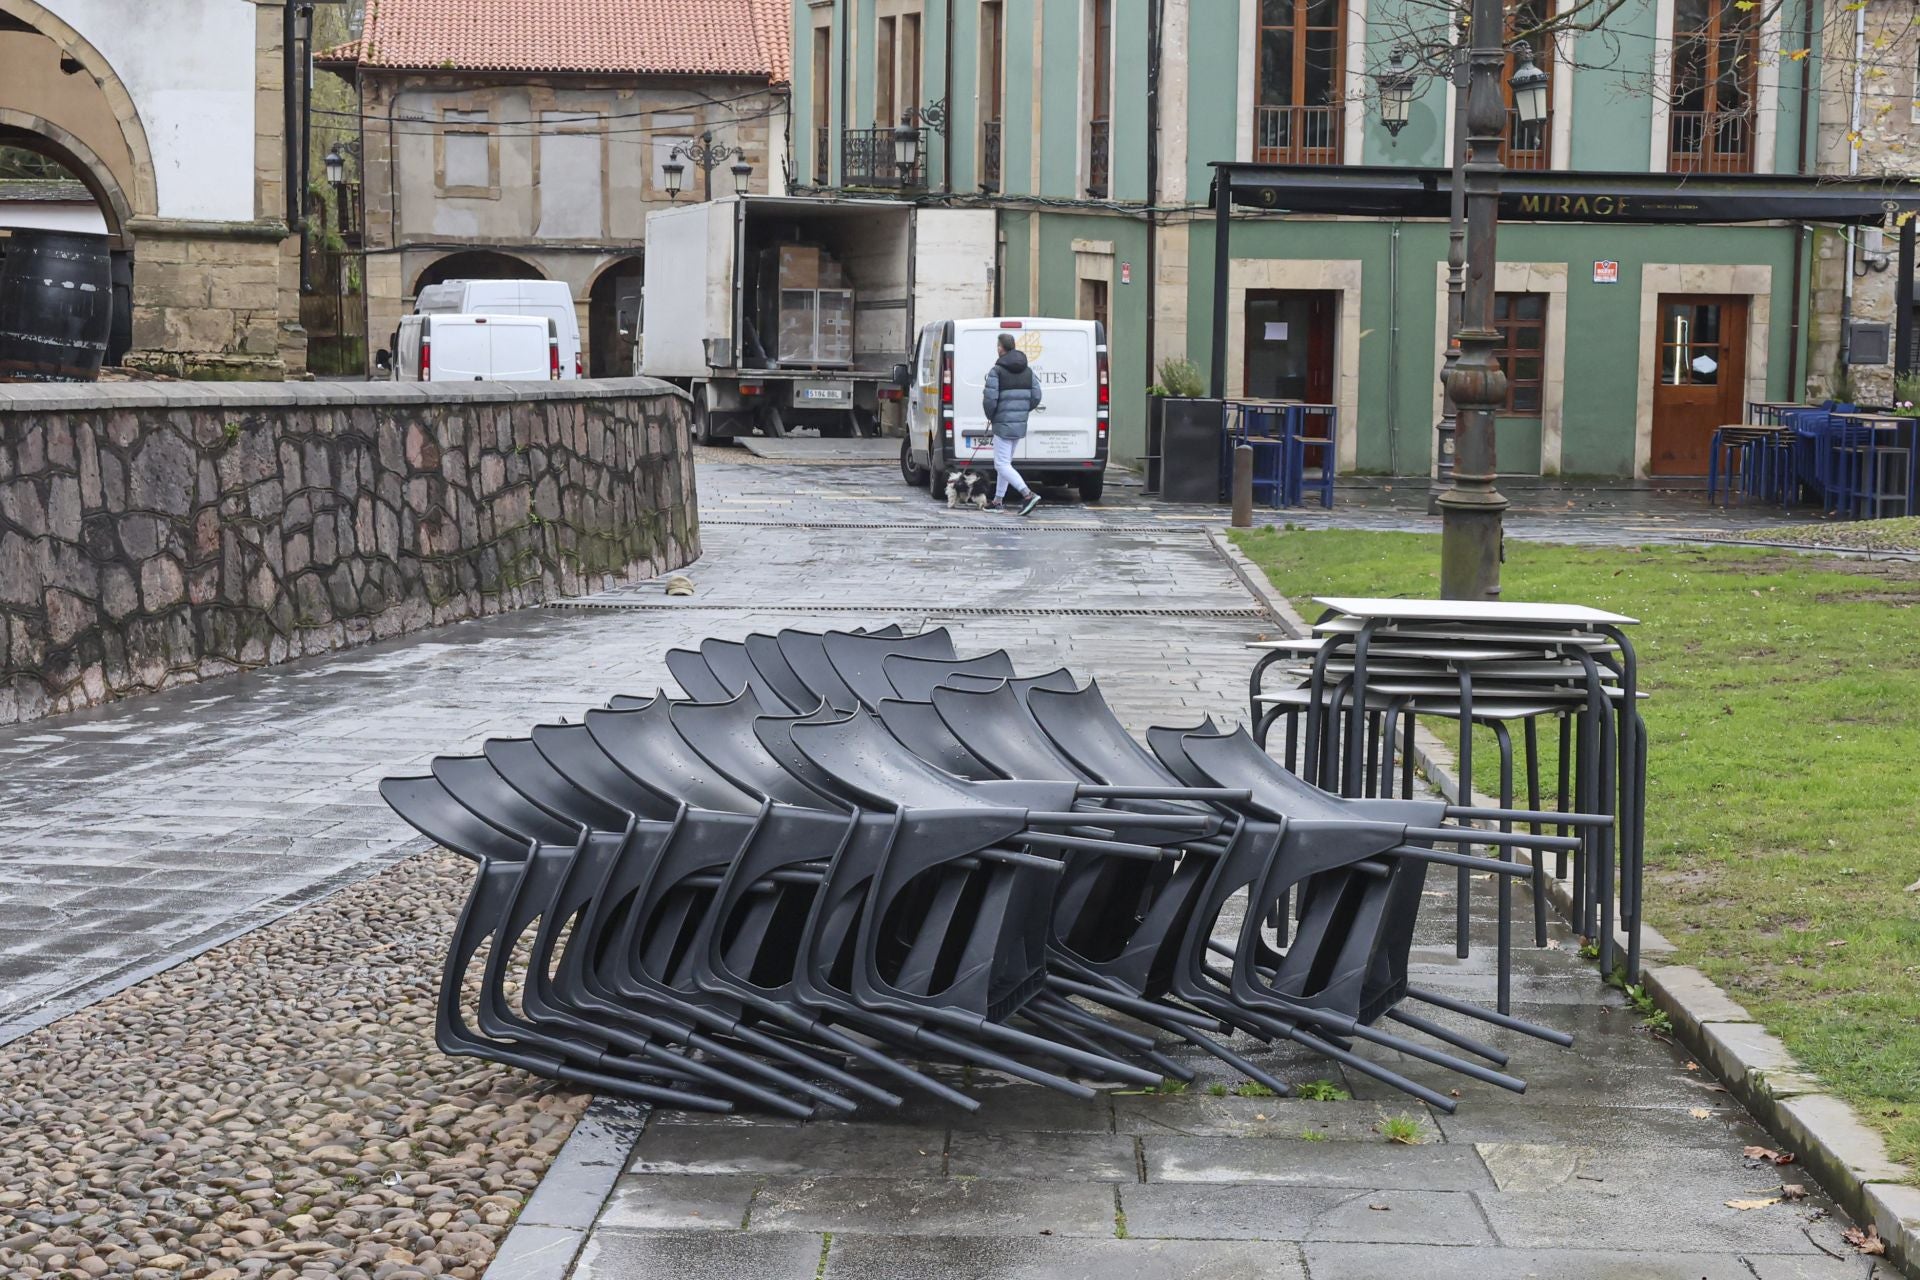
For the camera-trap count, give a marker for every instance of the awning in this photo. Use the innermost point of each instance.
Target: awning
(1570, 195)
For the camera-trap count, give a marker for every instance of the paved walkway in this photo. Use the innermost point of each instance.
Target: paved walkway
(131, 835)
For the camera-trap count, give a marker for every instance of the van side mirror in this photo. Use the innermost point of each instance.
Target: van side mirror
(902, 376)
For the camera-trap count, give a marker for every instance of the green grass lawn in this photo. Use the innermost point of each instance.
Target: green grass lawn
(1783, 796)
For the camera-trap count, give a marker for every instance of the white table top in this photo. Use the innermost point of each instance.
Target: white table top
(1496, 611)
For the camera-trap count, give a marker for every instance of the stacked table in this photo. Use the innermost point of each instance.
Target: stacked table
(1373, 666)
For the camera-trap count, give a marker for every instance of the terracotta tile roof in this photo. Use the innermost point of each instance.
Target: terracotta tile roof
(662, 37)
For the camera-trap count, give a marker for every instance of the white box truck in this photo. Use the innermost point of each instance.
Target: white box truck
(786, 312)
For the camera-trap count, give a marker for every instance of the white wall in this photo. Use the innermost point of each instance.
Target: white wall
(47, 215)
(189, 65)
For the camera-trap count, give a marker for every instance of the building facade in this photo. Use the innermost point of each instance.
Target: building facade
(174, 115)
(1091, 126)
(536, 148)
(1869, 90)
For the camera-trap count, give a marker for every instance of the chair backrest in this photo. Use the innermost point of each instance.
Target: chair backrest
(650, 750)
(859, 659)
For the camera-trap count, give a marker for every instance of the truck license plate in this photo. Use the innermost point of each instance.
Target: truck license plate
(833, 395)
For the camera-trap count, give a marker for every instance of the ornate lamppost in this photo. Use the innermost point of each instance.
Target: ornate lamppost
(1471, 507)
(704, 153)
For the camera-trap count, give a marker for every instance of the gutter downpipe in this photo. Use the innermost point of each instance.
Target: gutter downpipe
(1797, 304)
(946, 95)
(1853, 170)
(290, 107)
(1156, 15)
(1393, 350)
(846, 120)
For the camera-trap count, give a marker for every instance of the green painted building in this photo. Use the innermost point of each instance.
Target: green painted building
(1090, 125)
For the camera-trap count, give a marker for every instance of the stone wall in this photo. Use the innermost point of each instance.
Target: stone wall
(157, 533)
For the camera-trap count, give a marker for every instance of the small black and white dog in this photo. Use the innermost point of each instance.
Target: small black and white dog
(964, 489)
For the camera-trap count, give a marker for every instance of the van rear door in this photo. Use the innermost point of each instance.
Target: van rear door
(462, 349)
(1066, 427)
(522, 348)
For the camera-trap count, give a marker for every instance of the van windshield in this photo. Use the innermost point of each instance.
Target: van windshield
(1060, 357)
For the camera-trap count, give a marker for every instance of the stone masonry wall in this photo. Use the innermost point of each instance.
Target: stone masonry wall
(153, 534)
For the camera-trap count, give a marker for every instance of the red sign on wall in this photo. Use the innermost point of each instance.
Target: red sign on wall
(1606, 273)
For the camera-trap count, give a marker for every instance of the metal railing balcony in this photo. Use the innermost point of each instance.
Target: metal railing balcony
(1710, 142)
(1297, 135)
(866, 160)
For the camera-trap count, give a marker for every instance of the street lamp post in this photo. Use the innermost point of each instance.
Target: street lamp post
(1471, 507)
(1456, 266)
(709, 157)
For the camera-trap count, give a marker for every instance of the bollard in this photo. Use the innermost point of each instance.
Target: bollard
(1243, 486)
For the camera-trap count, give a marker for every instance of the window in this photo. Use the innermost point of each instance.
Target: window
(1521, 319)
(910, 64)
(1527, 147)
(467, 155)
(1301, 56)
(1099, 131)
(822, 97)
(992, 89)
(1716, 55)
(883, 74)
(572, 166)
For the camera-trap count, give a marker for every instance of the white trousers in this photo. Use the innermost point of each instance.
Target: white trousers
(1004, 476)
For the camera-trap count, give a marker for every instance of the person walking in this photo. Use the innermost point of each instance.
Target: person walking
(1012, 394)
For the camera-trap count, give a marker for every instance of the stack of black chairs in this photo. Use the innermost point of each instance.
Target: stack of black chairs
(846, 861)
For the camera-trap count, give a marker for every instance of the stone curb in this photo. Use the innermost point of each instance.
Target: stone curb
(553, 1225)
(1847, 1159)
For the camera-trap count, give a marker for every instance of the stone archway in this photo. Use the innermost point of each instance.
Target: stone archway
(476, 264)
(33, 133)
(80, 120)
(613, 318)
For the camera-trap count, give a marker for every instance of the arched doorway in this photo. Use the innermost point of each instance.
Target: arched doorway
(613, 319)
(62, 105)
(45, 187)
(476, 264)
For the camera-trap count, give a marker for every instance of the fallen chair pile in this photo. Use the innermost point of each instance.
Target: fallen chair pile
(844, 859)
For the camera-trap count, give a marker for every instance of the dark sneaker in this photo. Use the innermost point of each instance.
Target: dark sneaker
(1031, 501)
(994, 504)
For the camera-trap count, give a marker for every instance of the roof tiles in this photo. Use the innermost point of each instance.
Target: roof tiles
(661, 37)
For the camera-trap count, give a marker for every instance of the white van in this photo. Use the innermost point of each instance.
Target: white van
(548, 299)
(454, 348)
(947, 428)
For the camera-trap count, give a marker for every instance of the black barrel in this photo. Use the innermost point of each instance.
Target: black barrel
(56, 305)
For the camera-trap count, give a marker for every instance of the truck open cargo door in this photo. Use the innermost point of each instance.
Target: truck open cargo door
(954, 256)
(690, 273)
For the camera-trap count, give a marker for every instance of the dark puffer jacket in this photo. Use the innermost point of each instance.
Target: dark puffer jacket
(1012, 393)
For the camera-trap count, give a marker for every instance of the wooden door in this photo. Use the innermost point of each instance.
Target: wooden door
(1289, 349)
(1699, 378)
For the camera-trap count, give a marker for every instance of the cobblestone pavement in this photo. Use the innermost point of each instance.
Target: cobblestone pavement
(134, 833)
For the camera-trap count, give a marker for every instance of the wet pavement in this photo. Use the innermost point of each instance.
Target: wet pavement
(138, 833)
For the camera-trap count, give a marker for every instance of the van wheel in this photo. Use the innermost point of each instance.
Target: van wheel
(702, 425)
(912, 474)
(1091, 487)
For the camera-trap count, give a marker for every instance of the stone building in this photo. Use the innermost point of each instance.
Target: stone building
(174, 113)
(1856, 278)
(534, 146)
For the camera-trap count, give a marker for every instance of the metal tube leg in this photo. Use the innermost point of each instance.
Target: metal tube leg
(1463, 879)
(1406, 758)
(1539, 859)
(1565, 799)
(1504, 993)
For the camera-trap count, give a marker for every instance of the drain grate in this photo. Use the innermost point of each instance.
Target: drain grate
(879, 607)
(927, 527)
